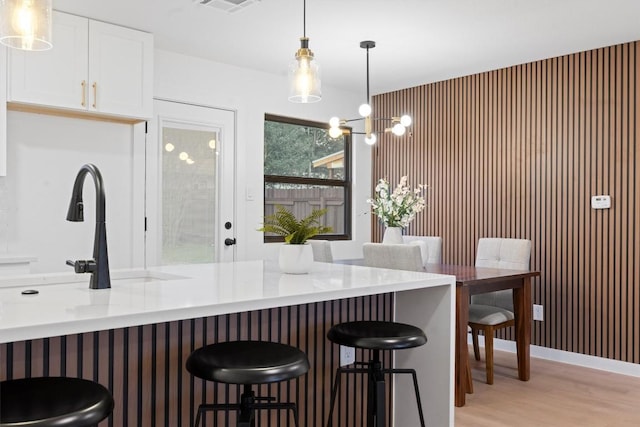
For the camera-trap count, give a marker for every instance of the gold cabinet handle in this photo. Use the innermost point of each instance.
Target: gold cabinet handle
(84, 93)
(95, 93)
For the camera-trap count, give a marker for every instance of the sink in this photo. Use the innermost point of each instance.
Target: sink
(117, 276)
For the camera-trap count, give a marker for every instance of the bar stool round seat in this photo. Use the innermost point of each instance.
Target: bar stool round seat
(377, 335)
(53, 402)
(247, 363)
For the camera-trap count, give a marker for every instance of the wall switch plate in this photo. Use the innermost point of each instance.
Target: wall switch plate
(347, 355)
(538, 312)
(250, 194)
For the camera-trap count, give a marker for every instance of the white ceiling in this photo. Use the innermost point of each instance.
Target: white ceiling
(418, 41)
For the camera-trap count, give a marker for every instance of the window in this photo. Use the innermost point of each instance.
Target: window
(305, 169)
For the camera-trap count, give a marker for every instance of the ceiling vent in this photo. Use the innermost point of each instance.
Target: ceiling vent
(229, 6)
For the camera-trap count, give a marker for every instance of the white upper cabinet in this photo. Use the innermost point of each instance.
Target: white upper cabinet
(93, 67)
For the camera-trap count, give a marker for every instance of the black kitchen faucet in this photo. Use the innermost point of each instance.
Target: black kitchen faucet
(99, 265)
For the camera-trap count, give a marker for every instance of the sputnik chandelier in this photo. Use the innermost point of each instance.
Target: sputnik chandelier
(398, 124)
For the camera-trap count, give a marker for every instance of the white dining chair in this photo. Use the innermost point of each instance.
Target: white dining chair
(491, 311)
(433, 244)
(321, 250)
(397, 257)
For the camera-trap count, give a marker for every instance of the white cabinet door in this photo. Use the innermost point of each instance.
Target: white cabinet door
(56, 77)
(120, 70)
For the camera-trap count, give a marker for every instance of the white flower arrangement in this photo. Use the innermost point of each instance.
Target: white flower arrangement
(399, 208)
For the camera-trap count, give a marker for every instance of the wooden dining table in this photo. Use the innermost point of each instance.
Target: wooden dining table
(472, 280)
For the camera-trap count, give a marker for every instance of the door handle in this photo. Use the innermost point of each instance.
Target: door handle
(229, 242)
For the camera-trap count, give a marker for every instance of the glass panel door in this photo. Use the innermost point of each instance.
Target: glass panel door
(190, 201)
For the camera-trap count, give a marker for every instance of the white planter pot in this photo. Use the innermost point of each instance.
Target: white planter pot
(392, 236)
(295, 259)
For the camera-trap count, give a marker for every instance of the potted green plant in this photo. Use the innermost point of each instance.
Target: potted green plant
(296, 257)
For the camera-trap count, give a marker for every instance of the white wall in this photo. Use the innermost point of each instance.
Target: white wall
(44, 155)
(45, 152)
(252, 94)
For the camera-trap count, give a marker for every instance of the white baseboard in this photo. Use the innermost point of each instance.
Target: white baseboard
(609, 365)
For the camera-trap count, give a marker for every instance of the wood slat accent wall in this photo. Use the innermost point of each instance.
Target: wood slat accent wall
(144, 367)
(518, 152)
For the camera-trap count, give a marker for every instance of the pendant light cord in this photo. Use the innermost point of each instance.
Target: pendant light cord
(304, 18)
(368, 100)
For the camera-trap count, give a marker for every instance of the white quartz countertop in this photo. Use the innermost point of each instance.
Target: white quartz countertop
(65, 305)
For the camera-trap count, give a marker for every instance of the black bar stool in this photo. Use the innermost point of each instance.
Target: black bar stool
(247, 363)
(376, 336)
(53, 402)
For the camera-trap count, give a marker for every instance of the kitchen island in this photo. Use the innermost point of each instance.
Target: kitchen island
(135, 336)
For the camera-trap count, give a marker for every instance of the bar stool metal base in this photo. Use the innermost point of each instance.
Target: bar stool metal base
(376, 412)
(249, 403)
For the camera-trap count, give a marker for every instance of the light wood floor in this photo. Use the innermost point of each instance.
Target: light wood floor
(558, 394)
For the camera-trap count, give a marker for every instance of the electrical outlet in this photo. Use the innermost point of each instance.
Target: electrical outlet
(347, 355)
(538, 312)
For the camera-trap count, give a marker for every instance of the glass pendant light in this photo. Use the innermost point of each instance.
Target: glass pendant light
(304, 72)
(26, 24)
